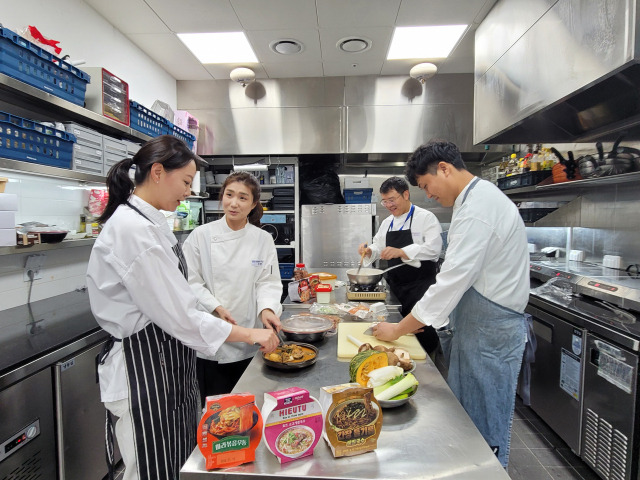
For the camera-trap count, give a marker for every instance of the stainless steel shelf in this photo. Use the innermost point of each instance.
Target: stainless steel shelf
(592, 182)
(43, 247)
(32, 102)
(47, 171)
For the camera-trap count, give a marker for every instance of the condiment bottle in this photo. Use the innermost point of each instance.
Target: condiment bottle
(300, 272)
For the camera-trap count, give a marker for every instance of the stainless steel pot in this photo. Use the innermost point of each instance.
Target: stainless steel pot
(369, 276)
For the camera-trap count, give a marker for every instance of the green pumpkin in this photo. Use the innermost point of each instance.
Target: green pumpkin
(363, 363)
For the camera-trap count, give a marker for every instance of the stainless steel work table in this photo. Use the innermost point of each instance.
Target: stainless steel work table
(428, 438)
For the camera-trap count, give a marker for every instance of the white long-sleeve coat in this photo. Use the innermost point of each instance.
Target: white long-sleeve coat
(238, 270)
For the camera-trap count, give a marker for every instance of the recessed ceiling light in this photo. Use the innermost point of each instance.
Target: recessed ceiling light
(222, 47)
(353, 44)
(286, 46)
(424, 42)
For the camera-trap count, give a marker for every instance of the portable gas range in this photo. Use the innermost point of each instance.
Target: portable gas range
(376, 292)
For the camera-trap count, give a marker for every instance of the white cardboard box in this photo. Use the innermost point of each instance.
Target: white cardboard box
(7, 219)
(8, 202)
(356, 182)
(7, 237)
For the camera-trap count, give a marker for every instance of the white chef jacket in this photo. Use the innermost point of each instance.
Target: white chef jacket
(425, 230)
(238, 270)
(133, 279)
(487, 250)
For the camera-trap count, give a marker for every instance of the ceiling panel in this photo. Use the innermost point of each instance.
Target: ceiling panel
(439, 12)
(346, 69)
(275, 14)
(260, 40)
(139, 18)
(355, 13)
(293, 69)
(380, 37)
(172, 55)
(197, 16)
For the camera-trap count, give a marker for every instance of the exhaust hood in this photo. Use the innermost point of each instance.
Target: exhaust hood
(571, 73)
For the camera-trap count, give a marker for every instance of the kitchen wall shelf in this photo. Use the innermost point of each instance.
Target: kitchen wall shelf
(43, 247)
(33, 103)
(47, 171)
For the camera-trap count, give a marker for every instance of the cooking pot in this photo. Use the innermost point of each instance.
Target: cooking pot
(619, 160)
(306, 327)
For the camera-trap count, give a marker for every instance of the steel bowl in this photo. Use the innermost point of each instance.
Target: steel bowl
(398, 403)
(366, 276)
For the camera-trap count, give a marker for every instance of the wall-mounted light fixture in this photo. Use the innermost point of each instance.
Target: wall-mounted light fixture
(251, 167)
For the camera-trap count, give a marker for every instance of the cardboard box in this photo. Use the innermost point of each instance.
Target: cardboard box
(26, 239)
(7, 237)
(8, 202)
(356, 182)
(7, 219)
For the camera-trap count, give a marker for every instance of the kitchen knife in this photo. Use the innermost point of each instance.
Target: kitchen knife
(369, 331)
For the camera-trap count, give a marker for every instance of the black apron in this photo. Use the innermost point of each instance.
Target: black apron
(163, 397)
(409, 284)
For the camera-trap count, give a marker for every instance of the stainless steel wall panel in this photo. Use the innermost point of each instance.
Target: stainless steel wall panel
(403, 128)
(264, 131)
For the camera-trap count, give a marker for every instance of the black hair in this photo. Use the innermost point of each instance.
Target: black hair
(252, 182)
(426, 158)
(171, 152)
(398, 184)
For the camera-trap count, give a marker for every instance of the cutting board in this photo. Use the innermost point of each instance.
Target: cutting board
(346, 349)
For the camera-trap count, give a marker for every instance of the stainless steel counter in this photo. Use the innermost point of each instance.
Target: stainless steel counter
(429, 437)
(339, 294)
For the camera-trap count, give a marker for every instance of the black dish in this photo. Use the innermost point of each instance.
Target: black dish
(292, 366)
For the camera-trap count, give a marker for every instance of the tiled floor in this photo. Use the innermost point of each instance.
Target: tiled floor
(539, 454)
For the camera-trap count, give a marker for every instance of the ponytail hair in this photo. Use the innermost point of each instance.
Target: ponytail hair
(252, 182)
(171, 152)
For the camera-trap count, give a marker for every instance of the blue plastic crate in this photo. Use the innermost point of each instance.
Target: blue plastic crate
(22, 139)
(147, 121)
(33, 65)
(359, 195)
(183, 135)
(286, 270)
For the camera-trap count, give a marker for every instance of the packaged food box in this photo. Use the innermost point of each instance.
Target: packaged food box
(230, 430)
(292, 423)
(299, 290)
(353, 419)
(25, 239)
(314, 281)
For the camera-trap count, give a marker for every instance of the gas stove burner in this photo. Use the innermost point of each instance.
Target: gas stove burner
(355, 287)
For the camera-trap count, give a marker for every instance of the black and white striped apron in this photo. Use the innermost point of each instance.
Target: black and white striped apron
(163, 397)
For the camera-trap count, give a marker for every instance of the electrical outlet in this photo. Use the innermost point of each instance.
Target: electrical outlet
(34, 263)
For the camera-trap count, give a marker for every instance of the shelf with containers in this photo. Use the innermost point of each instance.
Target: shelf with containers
(282, 216)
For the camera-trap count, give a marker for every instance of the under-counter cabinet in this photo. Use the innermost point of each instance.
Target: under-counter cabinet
(80, 418)
(27, 437)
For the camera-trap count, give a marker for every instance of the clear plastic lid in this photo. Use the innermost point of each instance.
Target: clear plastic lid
(306, 324)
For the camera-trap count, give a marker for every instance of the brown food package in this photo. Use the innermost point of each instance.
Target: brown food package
(353, 419)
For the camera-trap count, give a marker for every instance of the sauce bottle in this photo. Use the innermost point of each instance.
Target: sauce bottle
(300, 272)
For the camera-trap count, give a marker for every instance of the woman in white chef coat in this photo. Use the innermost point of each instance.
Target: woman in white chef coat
(233, 270)
(478, 301)
(139, 294)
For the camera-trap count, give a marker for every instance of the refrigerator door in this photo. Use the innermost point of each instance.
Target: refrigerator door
(331, 234)
(81, 418)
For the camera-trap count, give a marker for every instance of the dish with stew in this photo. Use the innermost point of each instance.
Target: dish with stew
(291, 355)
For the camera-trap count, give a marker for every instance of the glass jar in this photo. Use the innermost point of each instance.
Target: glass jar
(300, 272)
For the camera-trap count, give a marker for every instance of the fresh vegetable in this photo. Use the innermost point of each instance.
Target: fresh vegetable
(399, 388)
(380, 376)
(363, 363)
(381, 388)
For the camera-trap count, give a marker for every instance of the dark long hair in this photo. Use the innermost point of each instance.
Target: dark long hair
(167, 150)
(252, 182)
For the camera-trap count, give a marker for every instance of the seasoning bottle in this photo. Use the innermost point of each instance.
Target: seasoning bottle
(300, 272)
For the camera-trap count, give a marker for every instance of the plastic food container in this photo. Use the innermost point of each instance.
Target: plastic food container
(328, 278)
(323, 293)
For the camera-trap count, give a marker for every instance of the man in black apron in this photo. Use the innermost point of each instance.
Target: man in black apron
(408, 283)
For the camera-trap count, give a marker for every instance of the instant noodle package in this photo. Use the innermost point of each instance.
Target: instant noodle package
(292, 423)
(230, 430)
(353, 419)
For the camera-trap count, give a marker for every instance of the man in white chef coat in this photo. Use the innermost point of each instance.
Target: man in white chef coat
(478, 301)
(409, 235)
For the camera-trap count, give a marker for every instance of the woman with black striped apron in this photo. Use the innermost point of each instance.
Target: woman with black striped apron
(139, 294)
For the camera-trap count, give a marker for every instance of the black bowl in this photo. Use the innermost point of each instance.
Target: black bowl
(52, 237)
(292, 365)
(312, 337)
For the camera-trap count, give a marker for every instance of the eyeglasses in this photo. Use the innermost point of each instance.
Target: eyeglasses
(390, 201)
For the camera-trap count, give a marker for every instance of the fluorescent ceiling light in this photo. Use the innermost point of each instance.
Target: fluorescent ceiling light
(222, 47)
(424, 42)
